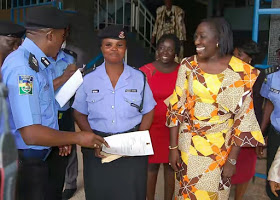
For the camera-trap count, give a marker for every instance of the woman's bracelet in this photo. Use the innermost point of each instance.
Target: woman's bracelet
(171, 148)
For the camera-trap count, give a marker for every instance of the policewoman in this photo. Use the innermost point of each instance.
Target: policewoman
(114, 98)
(26, 73)
(271, 114)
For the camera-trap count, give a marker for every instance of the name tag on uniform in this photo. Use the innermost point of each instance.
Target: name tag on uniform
(131, 90)
(95, 91)
(274, 90)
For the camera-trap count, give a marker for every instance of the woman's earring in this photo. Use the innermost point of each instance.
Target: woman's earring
(217, 45)
(250, 61)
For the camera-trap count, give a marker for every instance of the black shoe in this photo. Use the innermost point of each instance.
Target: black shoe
(68, 193)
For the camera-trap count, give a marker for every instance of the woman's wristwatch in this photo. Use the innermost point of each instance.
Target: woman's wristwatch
(232, 161)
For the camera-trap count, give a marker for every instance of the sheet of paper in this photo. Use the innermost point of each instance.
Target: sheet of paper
(130, 144)
(109, 157)
(69, 88)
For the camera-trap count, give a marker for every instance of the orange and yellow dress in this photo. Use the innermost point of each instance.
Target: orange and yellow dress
(214, 111)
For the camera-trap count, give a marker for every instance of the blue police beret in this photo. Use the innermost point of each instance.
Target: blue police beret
(10, 29)
(45, 17)
(114, 31)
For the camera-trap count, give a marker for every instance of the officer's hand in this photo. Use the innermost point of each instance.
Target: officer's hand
(91, 140)
(65, 150)
(97, 153)
(70, 70)
(274, 186)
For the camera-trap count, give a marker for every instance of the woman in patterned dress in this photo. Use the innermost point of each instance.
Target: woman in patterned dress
(248, 50)
(211, 115)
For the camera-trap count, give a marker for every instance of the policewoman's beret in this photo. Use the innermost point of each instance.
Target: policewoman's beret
(114, 32)
(45, 17)
(10, 29)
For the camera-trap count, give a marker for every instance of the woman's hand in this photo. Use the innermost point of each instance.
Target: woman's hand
(274, 186)
(97, 153)
(228, 171)
(174, 159)
(65, 150)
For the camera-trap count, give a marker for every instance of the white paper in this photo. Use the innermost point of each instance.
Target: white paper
(130, 144)
(69, 88)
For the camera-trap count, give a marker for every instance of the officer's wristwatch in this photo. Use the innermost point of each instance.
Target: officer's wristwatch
(232, 161)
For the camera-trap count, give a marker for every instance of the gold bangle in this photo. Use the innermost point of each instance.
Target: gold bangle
(171, 148)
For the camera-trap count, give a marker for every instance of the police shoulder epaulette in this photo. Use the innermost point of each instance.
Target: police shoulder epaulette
(71, 53)
(33, 63)
(272, 69)
(89, 70)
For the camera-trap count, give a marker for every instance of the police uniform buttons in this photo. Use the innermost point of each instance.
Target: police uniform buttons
(113, 121)
(113, 92)
(93, 101)
(113, 107)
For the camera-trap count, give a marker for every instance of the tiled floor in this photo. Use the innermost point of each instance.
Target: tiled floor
(256, 190)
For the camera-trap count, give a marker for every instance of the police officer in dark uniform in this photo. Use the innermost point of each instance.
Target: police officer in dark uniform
(27, 75)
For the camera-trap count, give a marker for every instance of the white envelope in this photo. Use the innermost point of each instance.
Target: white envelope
(69, 88)
(130, 144)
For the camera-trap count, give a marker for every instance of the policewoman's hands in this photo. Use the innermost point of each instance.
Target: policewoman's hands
(69, 71)
(97, 153)
(65, 150)
(274, 186)
(174, 159)
(91, 140)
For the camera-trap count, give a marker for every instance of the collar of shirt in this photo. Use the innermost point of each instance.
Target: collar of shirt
(103, 74)
(30, 46)
(60, 56)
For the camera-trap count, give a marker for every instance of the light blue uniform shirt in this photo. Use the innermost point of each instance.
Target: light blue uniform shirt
(34, 104)
(58, 68)
(271, 90)
(109, 109)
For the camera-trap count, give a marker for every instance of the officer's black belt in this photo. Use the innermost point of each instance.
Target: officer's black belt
(103, 134)
(34, 153)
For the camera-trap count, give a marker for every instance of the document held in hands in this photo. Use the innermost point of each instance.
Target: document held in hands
(69, 88)
(130, 144)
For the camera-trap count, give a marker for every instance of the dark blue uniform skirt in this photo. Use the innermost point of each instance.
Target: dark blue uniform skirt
(121, 179)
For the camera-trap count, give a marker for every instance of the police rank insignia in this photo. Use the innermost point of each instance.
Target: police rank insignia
(25, 84)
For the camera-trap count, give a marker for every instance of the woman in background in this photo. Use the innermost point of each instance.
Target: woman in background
(247, 50)
(161, 76)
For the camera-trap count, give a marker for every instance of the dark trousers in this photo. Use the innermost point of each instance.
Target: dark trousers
(273, 143)
(41, 180)
(66, 123)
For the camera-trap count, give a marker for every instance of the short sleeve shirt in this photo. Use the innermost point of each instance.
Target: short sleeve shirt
(271, 90)
(111, 109)
(59, 66)
(31, 93)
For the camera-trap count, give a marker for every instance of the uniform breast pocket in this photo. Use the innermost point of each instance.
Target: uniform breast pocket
(95, 104)
(132, 104)
(274, 96)
(46, 101)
